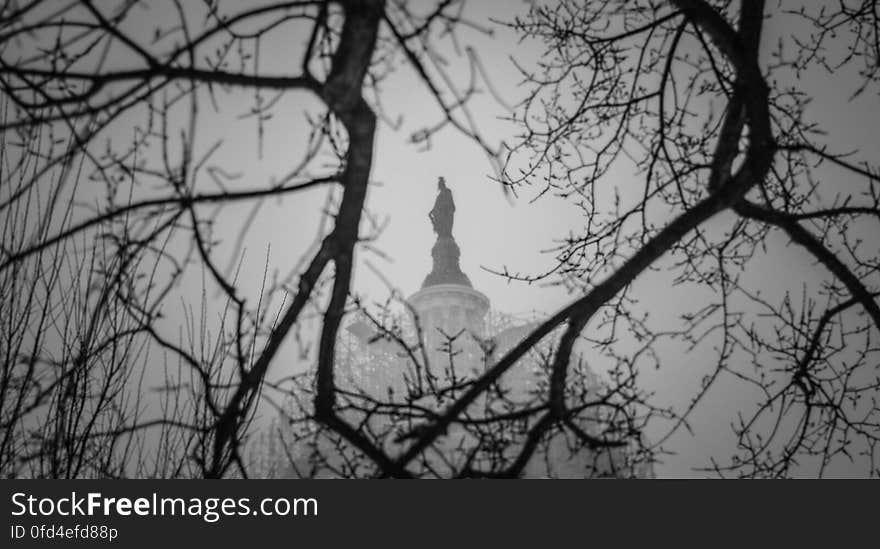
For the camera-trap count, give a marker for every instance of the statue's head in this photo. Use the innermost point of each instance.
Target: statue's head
(441, 183)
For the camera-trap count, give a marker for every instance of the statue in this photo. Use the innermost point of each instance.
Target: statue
(443, 212)
(445, 252)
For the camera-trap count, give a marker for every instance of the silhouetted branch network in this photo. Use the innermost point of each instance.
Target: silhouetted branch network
(715, 121)
(104, 239)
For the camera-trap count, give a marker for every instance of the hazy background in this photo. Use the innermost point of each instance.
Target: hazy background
(494, 229)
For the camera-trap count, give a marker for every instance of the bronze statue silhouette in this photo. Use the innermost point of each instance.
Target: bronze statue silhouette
(445, 252)
(443, 212)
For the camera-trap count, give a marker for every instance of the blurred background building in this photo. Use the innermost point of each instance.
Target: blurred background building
(428, 348)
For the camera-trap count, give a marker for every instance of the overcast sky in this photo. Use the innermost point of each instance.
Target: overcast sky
(493, 229)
